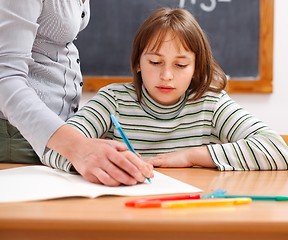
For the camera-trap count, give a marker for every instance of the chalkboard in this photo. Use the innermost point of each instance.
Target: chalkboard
(234, 29)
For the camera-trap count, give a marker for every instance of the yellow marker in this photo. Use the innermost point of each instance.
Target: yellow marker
(205, 202)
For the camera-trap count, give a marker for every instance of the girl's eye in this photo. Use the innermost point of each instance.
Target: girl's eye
(181, 65)
(154, 62)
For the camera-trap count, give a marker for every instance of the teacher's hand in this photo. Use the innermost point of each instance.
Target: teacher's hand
(98, 160)
(110, 163)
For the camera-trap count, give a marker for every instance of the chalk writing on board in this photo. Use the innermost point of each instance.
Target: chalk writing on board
(209, 7)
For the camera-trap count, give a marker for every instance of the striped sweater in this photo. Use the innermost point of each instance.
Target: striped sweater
(235, 139)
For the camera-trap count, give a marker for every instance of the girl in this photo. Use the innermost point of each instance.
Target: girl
(176, 112)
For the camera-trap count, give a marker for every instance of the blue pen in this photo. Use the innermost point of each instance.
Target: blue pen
(124, 137)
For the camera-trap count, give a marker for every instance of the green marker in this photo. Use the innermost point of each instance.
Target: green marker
(222, 194)
(259, 198)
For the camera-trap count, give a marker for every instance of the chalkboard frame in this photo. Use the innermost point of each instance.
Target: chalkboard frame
(260, 84)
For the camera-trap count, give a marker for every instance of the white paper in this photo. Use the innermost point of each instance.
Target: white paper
(32, 183)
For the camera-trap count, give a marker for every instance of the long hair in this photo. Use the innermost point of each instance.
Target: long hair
(208, 75)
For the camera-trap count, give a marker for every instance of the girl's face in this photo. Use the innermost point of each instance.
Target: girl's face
(167, 73)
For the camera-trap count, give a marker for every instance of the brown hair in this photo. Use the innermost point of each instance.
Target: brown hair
(207, 76)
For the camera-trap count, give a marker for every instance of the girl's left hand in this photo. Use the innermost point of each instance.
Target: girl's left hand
(172, 159)
(194, 156)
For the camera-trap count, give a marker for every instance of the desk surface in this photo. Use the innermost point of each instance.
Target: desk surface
(107, 218)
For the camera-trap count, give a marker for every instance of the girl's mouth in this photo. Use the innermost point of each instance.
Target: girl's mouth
(165, 88)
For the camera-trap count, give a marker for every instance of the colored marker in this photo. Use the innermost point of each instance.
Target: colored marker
(124, 137)
(146, 201)
(205, 202)
(219, 193)
(255, 197)
(260, 198)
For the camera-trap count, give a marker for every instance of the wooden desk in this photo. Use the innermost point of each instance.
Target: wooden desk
(107, 218)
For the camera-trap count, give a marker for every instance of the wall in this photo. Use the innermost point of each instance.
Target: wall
(272, 108)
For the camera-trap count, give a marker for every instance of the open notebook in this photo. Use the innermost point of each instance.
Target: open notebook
(32, 183)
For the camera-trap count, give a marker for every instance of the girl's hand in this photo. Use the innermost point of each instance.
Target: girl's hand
(172, 159)
(194, 156)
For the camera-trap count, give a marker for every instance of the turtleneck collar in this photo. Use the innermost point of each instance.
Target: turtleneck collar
(160, 111)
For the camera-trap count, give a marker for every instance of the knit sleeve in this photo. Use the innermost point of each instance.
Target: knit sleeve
(246, 142)
(92, 120)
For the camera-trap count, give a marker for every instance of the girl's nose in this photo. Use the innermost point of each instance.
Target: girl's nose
(166, 74)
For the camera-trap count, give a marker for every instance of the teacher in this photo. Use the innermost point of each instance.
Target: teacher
(40, 88)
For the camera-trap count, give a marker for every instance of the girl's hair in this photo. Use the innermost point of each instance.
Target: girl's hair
(180, 22)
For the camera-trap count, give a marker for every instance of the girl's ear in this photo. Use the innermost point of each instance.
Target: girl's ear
(138, 68)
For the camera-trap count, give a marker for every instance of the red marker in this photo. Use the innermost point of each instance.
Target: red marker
(156, 202)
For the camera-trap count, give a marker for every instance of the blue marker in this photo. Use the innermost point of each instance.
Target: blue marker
(124, 137)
